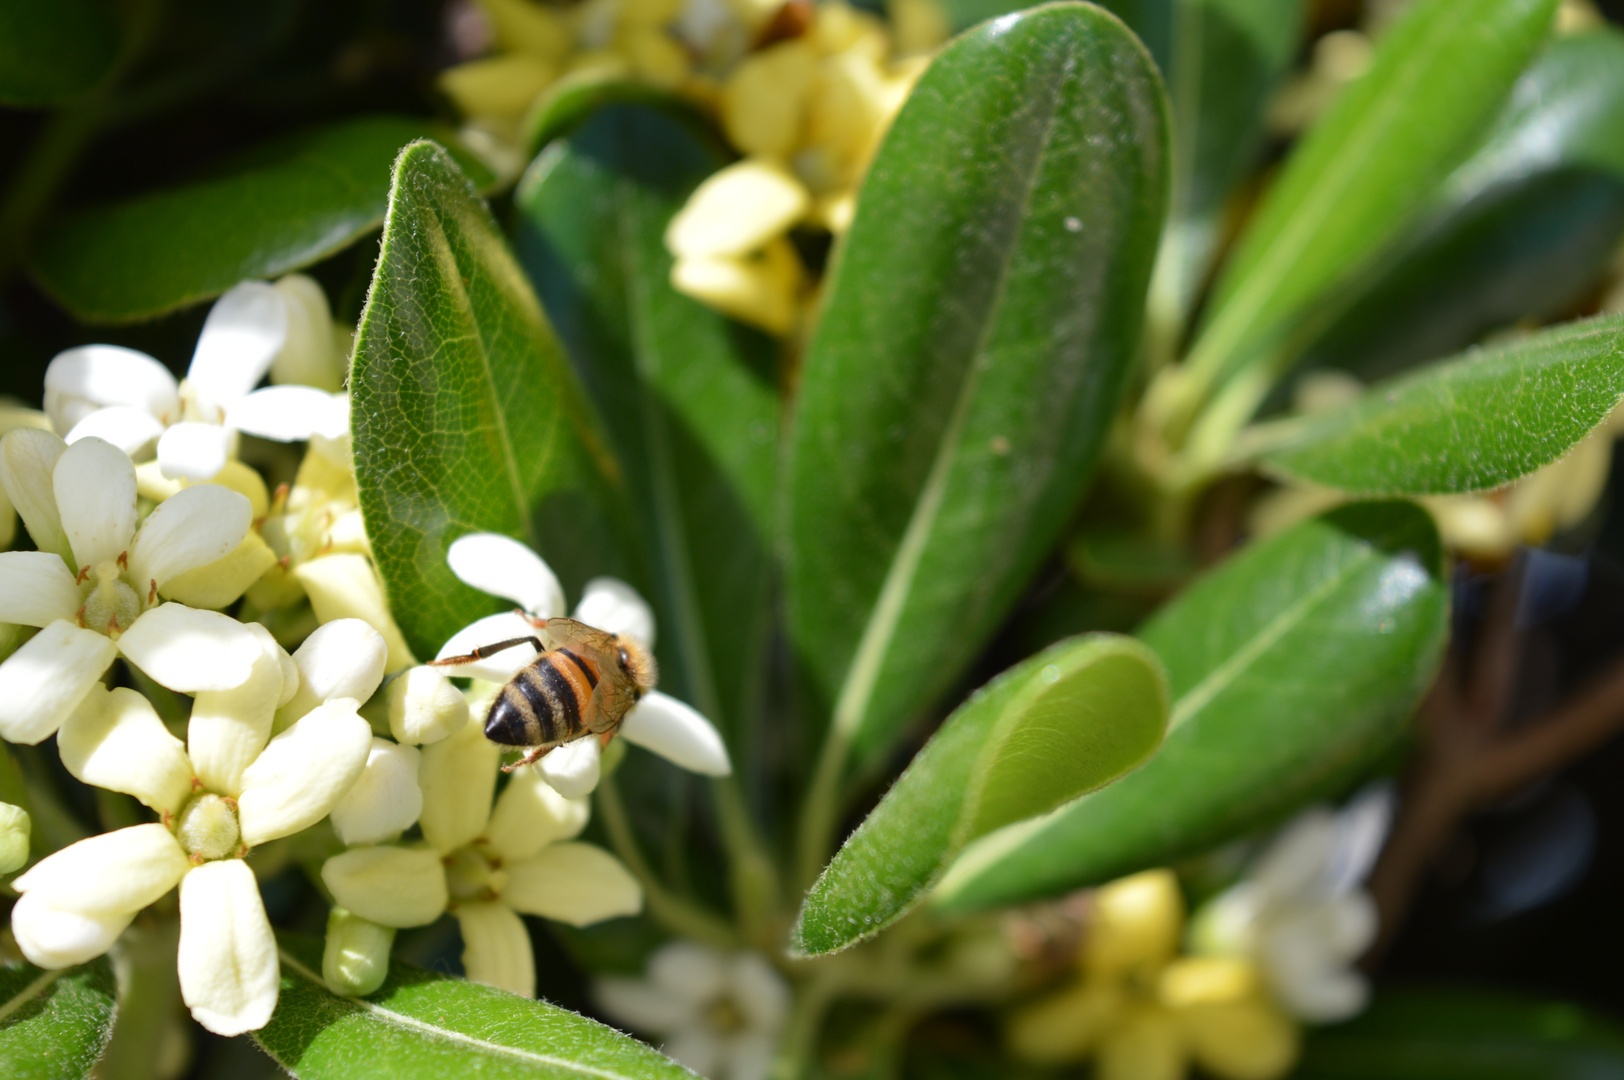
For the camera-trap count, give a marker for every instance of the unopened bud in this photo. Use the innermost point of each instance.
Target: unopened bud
(424, 707)
(356, 959)
(14, 830)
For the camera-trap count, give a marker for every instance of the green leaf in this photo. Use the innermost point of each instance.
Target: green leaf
(51, 52)
(54, 1024)
(1468, 424)
(1293, 666)
(420, 1024)
(980, 322)
(1371, 163)
(465, 413)
(1524, 229)
(1444, 1034)
(568, 103)
(690, 399)
(1064, 722)
(295, 201)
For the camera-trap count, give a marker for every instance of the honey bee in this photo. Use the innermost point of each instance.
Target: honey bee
(584, 684)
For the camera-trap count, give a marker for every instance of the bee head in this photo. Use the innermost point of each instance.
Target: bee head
(636, 664)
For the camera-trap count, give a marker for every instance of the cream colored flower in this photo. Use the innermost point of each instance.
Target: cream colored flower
(504, 567)
(231, 786)
(485, 864)
(96, 586)
(721, 1015)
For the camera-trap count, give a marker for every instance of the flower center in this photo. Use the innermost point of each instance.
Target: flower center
(111, 605)
(724, 1017)
(207, 828)
(471, 876)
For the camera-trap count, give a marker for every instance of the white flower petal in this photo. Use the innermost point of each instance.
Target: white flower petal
(229, 972)
(82, 380)
(643, 1007)
(36, 588)
(689, 970)
(1314, 992)
(229, 728)
(572, 769)
(749, 1054)
(574, 883)
(496, 948)
(530, 814)
(129, 429)
(310, 356)
(302, 773)
(190, 650)
(28, 460)
(44, 681)
(1294, 864)
(345, 586)
(244, 331)
(677, 732)
(425, 707)
(291, 414)
(695, 1047)
(502, 566)
(385, 800)
(196, 527)
(611, 604)
(114, 873)
(390, 886)
(114, 740)
(52, 938)
(193, 451)
(759, 992)
(94, 482)
(1361, 829)
(458, 777)
(488, 631)
(344, 658)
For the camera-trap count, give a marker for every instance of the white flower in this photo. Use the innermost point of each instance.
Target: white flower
(721, 1015)
(129, 399)
(231, 786)
(504, 567)
(95, 585)
(1300, 912)
(486, 865)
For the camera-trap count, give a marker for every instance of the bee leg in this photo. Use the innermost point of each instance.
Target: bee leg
(486, 651)
(533, 755)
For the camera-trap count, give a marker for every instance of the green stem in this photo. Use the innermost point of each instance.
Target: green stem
(676, 914)
(796, 1052)
(755, 883)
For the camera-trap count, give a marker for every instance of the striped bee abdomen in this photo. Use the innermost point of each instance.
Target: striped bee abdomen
(545, 704)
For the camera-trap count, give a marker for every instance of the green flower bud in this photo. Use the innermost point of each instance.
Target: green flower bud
(356, 959)
(14, 829)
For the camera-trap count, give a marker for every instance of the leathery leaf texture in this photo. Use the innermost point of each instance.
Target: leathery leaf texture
(980, 322)
(423, 1025)
(1472, 423)
(1066, 721)
(466, 415)
(54, 1024)
(1293, 667)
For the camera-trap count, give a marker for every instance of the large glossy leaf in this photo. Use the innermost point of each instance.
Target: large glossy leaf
(54, 1024)
(423, 1025)
(980, 322)
(52, 52)
(1066, 721)
(1472, 423)
(689, 398)
(293, 202)
(465, 412)
(1446, 1034)
(1293, 666)
(1521, 230)
(1371, 163)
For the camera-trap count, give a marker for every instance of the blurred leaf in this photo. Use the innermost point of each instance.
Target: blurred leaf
(297, 200)
(689, 397)
(1435, 1034)
(1469, 424)
(979, 324)
(53, 1024)
(420, 1024)
(1521, 230)
(50, 52)
(1372, 161)
(1292, 667)
(571, 100)
(1066, 721)
(465, 412)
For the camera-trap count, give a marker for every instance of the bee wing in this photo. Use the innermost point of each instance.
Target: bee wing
(569, 634)
(609, 704)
